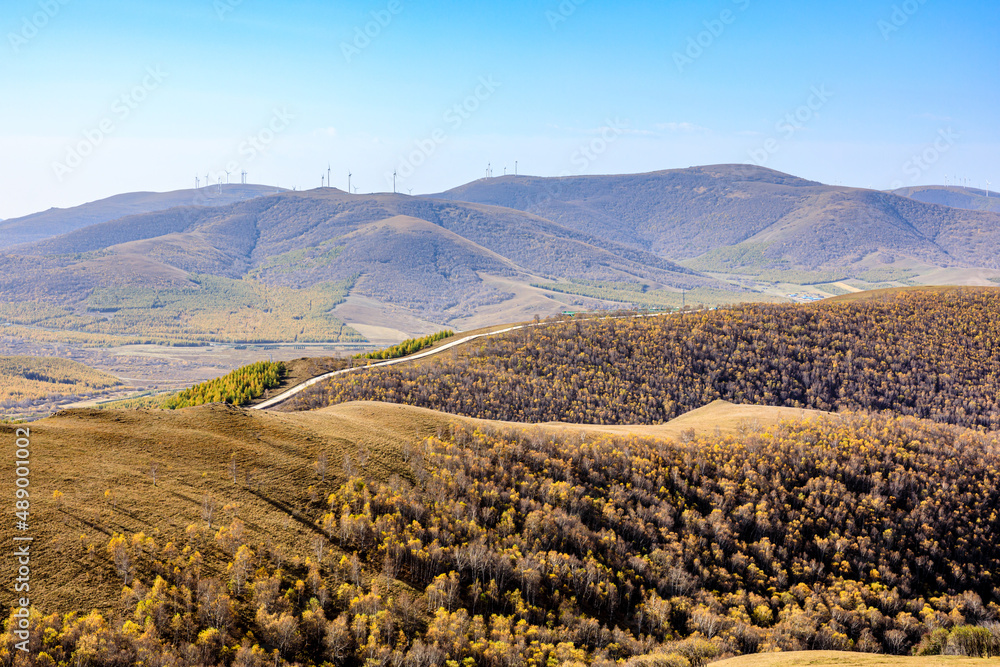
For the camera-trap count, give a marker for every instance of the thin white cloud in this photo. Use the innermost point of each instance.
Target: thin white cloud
(619, 125)
(686, 128)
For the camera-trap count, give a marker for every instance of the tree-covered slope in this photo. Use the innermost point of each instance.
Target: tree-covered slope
(933, 355)
(304, 539)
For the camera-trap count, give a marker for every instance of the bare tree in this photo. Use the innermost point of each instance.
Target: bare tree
(118, 548)
(208, 509)
(319, 547)
(349, 468)
(321, 466)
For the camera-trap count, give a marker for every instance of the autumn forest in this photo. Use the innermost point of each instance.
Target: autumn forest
(871, 528)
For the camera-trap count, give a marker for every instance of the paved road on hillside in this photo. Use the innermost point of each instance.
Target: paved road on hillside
(287, 394)
(281, 398)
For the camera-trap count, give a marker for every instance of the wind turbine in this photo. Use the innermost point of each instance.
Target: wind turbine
(988, 184)
(355, 189)
(411, 191)
(329, 183)
(349, 174)
(515, 167)
(197, 182)
(227, 178)
(243, 176)
(321, 177)
(393, 181)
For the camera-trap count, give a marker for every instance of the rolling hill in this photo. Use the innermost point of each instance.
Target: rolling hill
(213, 535)
(280, 449)
(648, 524)
(444, 262)
(55, 221)
(26, 382)
(739, 218)
(953, 196)
(929, 354)
(493, 250)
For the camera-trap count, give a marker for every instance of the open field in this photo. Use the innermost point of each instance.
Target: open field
(642, 295)
(210, 309)
(84, 453)
(842, 659)
(717, 418)
(147, 369)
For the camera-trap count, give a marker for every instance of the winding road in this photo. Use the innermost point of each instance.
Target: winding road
(288, 393)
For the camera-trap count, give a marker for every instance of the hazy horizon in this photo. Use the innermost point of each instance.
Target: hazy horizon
(117, 97)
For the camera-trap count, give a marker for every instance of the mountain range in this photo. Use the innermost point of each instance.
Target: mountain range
(56, 221)
(439, 261)
(731, 217)
(504, 248)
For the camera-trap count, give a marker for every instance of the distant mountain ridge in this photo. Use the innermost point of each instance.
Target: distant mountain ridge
(954, 197)
(502, 249)
(57, 221)
(439, 260)
(784, 221)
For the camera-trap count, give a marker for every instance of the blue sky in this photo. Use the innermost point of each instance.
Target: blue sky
(103, 97)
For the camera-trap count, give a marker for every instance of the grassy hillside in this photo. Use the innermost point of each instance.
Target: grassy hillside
(931, 355)
(717, 418)
(225, 310)
(25, 380)
(207, 309)
(801, 225)
(443, 261)
(375, 531)
(679, 214)
(520, 245)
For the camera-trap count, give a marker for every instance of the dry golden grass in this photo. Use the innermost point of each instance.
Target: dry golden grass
(808, 658)
(720, 416)
(84, 453)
